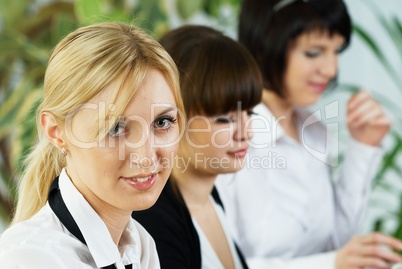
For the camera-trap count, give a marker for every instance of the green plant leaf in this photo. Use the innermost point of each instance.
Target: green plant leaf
(148, 14)
(394, 35)
(378, 225)
(389, 160)
(398, 230)
(398, 25)
(365, 36)
(88, 12)
(188, 8)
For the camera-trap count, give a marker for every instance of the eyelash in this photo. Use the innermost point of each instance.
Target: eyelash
(116, 130)
(312, 54)
(113, 132)
(251, 113)
(166, 119)
(227, 119)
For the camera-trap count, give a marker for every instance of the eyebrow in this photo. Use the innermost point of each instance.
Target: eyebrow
(166, 111)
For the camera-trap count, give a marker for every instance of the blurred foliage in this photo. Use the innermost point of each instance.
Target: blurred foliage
(30, 29)
(391, 163)
(28, 34)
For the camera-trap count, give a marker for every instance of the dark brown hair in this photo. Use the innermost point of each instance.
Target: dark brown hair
(267, 33)
(216, 72)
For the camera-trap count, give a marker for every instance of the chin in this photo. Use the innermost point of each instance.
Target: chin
(232, 169)
(145, 201)
(309, 102)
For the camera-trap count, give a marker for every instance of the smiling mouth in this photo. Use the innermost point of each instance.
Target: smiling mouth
(239, 154)
(141, 183)
(141, 179)
(319, 87)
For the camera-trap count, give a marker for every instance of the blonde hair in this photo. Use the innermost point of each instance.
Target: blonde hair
(81, 66)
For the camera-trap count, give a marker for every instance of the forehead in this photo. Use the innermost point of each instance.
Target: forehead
(153, 95)
(319, 38)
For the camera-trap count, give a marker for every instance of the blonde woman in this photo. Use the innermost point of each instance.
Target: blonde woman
(108, 129)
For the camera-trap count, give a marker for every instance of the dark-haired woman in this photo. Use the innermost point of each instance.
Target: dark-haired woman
(221, 84)
(284, 204)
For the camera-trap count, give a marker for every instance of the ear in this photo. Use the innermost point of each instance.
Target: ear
(52, 130)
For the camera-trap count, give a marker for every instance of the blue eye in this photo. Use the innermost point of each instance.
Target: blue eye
(117, 130)
(164, 122)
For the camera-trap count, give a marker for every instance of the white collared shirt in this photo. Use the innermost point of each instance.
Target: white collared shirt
(43, 242)
(283, 204)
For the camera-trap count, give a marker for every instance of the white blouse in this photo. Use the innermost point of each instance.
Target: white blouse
(284, 204)
(43, 242)
(209, 259)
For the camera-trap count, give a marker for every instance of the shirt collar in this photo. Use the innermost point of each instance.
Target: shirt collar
(94, 230)
(267, 128)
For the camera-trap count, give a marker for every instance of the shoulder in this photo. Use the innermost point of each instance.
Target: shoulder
(43, 225)
(41, 239)
(39, 247)
(34, 256)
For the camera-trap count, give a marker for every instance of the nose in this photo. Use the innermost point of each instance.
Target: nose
(143, 153)
(329, 66)
(243, 131)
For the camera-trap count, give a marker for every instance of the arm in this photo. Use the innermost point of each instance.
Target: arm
(367, 125)
(321, 261)
(366, 251)
(352, 189)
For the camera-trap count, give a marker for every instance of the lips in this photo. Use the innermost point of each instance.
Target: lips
(318, 87)
(241, 153)
(141, 182)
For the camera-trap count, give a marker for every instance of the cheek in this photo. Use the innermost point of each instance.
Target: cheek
(197, 139)
(81, 131)
(166, 139)
(166, 156)
(222, 139)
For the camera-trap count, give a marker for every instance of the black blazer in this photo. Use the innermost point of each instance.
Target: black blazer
(169, 223)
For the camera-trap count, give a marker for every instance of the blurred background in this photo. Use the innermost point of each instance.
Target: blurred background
(30, 29)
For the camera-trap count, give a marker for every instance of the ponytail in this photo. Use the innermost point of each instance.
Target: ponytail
(43, 164)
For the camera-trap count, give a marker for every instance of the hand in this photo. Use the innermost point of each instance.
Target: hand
(366, 120)
(372, 250)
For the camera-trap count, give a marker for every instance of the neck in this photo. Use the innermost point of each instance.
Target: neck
(115, 222)
(115, 219)
(282, 110)
(194, 186)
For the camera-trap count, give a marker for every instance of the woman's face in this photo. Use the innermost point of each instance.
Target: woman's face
(312, 63)
(127, 169)
(216, 145)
